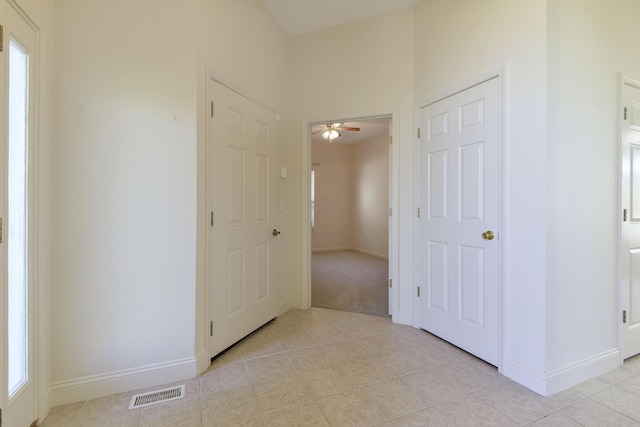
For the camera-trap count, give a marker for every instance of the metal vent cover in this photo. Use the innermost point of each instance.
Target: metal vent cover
(155, 397)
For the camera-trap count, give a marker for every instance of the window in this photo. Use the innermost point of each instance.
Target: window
(313, 200)
(17, 217)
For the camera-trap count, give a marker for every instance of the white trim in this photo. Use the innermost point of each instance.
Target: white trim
(203, 361)
(213, 76)
(305, 278)
(532, 380)
(564, 378)
(94, 386)
(583, 370)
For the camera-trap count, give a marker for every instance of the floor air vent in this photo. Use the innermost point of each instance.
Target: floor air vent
(155, 397)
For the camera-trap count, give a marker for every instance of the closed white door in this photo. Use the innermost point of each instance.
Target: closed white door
(17, 121)
(630, 127)
(460, 218)
(243, 194)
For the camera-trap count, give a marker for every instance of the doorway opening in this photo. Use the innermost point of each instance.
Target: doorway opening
(350, 165)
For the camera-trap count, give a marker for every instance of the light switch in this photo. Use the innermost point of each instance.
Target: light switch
(283, 172)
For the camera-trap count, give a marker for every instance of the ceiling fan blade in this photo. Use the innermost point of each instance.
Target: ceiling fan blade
(318, 131)
(348, 128)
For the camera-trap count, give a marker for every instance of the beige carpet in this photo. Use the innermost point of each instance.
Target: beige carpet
(350, 281)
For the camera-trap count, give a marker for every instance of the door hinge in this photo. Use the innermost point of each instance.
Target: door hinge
(212, 109)
(624, 316)
(418, 212)
(213, 218)
(624, 215)
(418, 291)
(390, 211)
(390, 139)
(625, 113)
(1, 49)
(418, 133)
(211, 328)
(390, 283)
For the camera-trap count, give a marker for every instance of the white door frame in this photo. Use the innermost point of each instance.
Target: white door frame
(213, 76)
(622, 81)
(305, 293)
(37, 254)
(500, 73)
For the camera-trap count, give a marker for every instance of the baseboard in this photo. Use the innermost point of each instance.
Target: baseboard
(564, 378)
(524, 376)
(288, 305)
(374, 254)
(203, 361)
(94, 386)
(362, 251)
(574, 374)
(403, 319)
(330, 249)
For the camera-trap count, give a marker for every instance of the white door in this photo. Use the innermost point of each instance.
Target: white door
(460, 218)
(17, 112)
(630, 133)
(243, 194)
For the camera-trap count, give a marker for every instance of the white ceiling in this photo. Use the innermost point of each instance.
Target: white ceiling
(368, 129)
(305, 16)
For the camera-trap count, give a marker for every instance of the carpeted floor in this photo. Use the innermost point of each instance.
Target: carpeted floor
(350, 281)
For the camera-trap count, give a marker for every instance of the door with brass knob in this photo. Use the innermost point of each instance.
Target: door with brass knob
(488, 235)
(460, 196)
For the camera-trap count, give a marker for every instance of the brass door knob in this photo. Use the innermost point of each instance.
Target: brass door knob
(275, 232)
(488, 235)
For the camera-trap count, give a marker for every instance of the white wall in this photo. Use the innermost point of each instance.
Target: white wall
(371, 195)
(372, 75)
(124, 187)
(589, 44)
(128, 180)
(455, 41)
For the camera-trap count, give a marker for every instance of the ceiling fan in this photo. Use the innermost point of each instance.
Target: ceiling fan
(331, 131)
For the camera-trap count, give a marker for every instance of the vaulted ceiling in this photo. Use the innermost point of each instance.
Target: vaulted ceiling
(305, 16)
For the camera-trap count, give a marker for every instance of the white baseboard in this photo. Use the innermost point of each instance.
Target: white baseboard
(403, 319)
(564, 378)
(288, 305)
(524, 376)
(94, 386)
(203, 361)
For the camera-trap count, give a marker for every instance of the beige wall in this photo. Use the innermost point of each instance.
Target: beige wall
(352, 196)
(371, 195)
(333, 196)
(373, 76)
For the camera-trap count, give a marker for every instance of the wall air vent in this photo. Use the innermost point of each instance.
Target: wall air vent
(155, 397)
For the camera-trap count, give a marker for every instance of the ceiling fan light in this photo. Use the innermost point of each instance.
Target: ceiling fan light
(330, 134)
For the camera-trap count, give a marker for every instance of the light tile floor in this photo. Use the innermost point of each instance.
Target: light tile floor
(321, 367)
